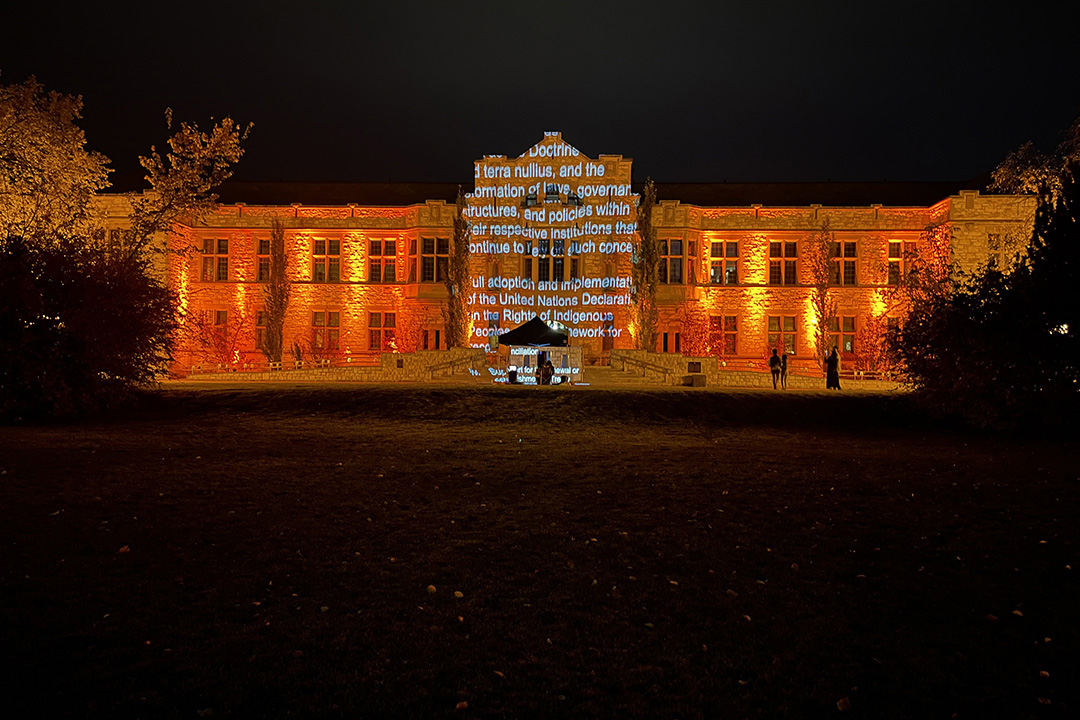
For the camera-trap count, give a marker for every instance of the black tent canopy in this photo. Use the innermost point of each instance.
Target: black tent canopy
(535, 333)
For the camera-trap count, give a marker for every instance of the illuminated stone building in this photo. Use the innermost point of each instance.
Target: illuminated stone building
(552, 236)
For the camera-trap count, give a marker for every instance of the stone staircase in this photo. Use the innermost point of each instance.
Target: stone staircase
(605, 376)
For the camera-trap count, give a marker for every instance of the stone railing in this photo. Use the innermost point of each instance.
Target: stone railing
(673, 369)
(393, 367)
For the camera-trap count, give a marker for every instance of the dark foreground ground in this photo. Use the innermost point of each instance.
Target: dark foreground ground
(268, 552)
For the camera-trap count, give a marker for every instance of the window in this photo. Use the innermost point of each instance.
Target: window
(574, 269)
(671, 261)
(430, 339)
(901, 256)
(434, 259)
(215, 262)
(672, 342)
(782, 333)
(381, 331)
(543, 268)
(842, 333)
(325, 330)
(993, 248)
(526, 261)
(326, 261)
(382, 261)
(260, 329)
(783, 263)
(724, 334)
(724, 269)
(842, 263)
(557, 265)
(262, 259)
(412, 260)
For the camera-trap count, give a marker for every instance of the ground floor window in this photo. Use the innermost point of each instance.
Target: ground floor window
(782, 333)
(260, 329)
(381, 327)
(842, 333)
(430, 339)
(325, 327)
(672, 342)
(724, 334)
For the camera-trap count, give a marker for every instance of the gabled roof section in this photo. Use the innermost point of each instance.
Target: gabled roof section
(553, 145)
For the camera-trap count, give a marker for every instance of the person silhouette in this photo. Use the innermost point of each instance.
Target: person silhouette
(783, 370)
(774, 368)
(832, 370)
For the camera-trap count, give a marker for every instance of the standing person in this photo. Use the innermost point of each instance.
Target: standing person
(783, 370)
(832, 370)
(774, 368)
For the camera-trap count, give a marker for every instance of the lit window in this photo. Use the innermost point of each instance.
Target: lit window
(724, 268)
(842, 334)
(215, 260)
(326, 261)
(782, 333)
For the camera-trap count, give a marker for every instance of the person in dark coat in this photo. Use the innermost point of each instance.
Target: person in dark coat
(774, 368)
(832, 370)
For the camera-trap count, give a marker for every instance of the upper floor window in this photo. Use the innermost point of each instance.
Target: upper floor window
(382, 261)
(842, 263)
(434, 259)
(901, 255)
(215, 261)
(671, 261)
(724, 268)
(262, 259)
(783, 263)
(326, 261)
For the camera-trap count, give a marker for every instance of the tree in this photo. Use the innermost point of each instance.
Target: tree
(1027, 171)
(819, 253)
(83, 325)
(79, 327)
(644, 271)
(47, 177)
(457, 278)
(276, 294)
(183, 182)
(1002, 348)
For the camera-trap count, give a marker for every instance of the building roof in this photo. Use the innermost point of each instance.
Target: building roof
(717, 194)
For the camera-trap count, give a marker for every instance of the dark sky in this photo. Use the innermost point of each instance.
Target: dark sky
(692, 91)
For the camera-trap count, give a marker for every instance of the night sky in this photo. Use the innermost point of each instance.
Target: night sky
(702, 91)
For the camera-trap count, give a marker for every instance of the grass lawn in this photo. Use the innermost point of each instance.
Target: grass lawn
(483, 552)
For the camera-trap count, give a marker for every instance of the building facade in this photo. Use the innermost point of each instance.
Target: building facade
(552, 235)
